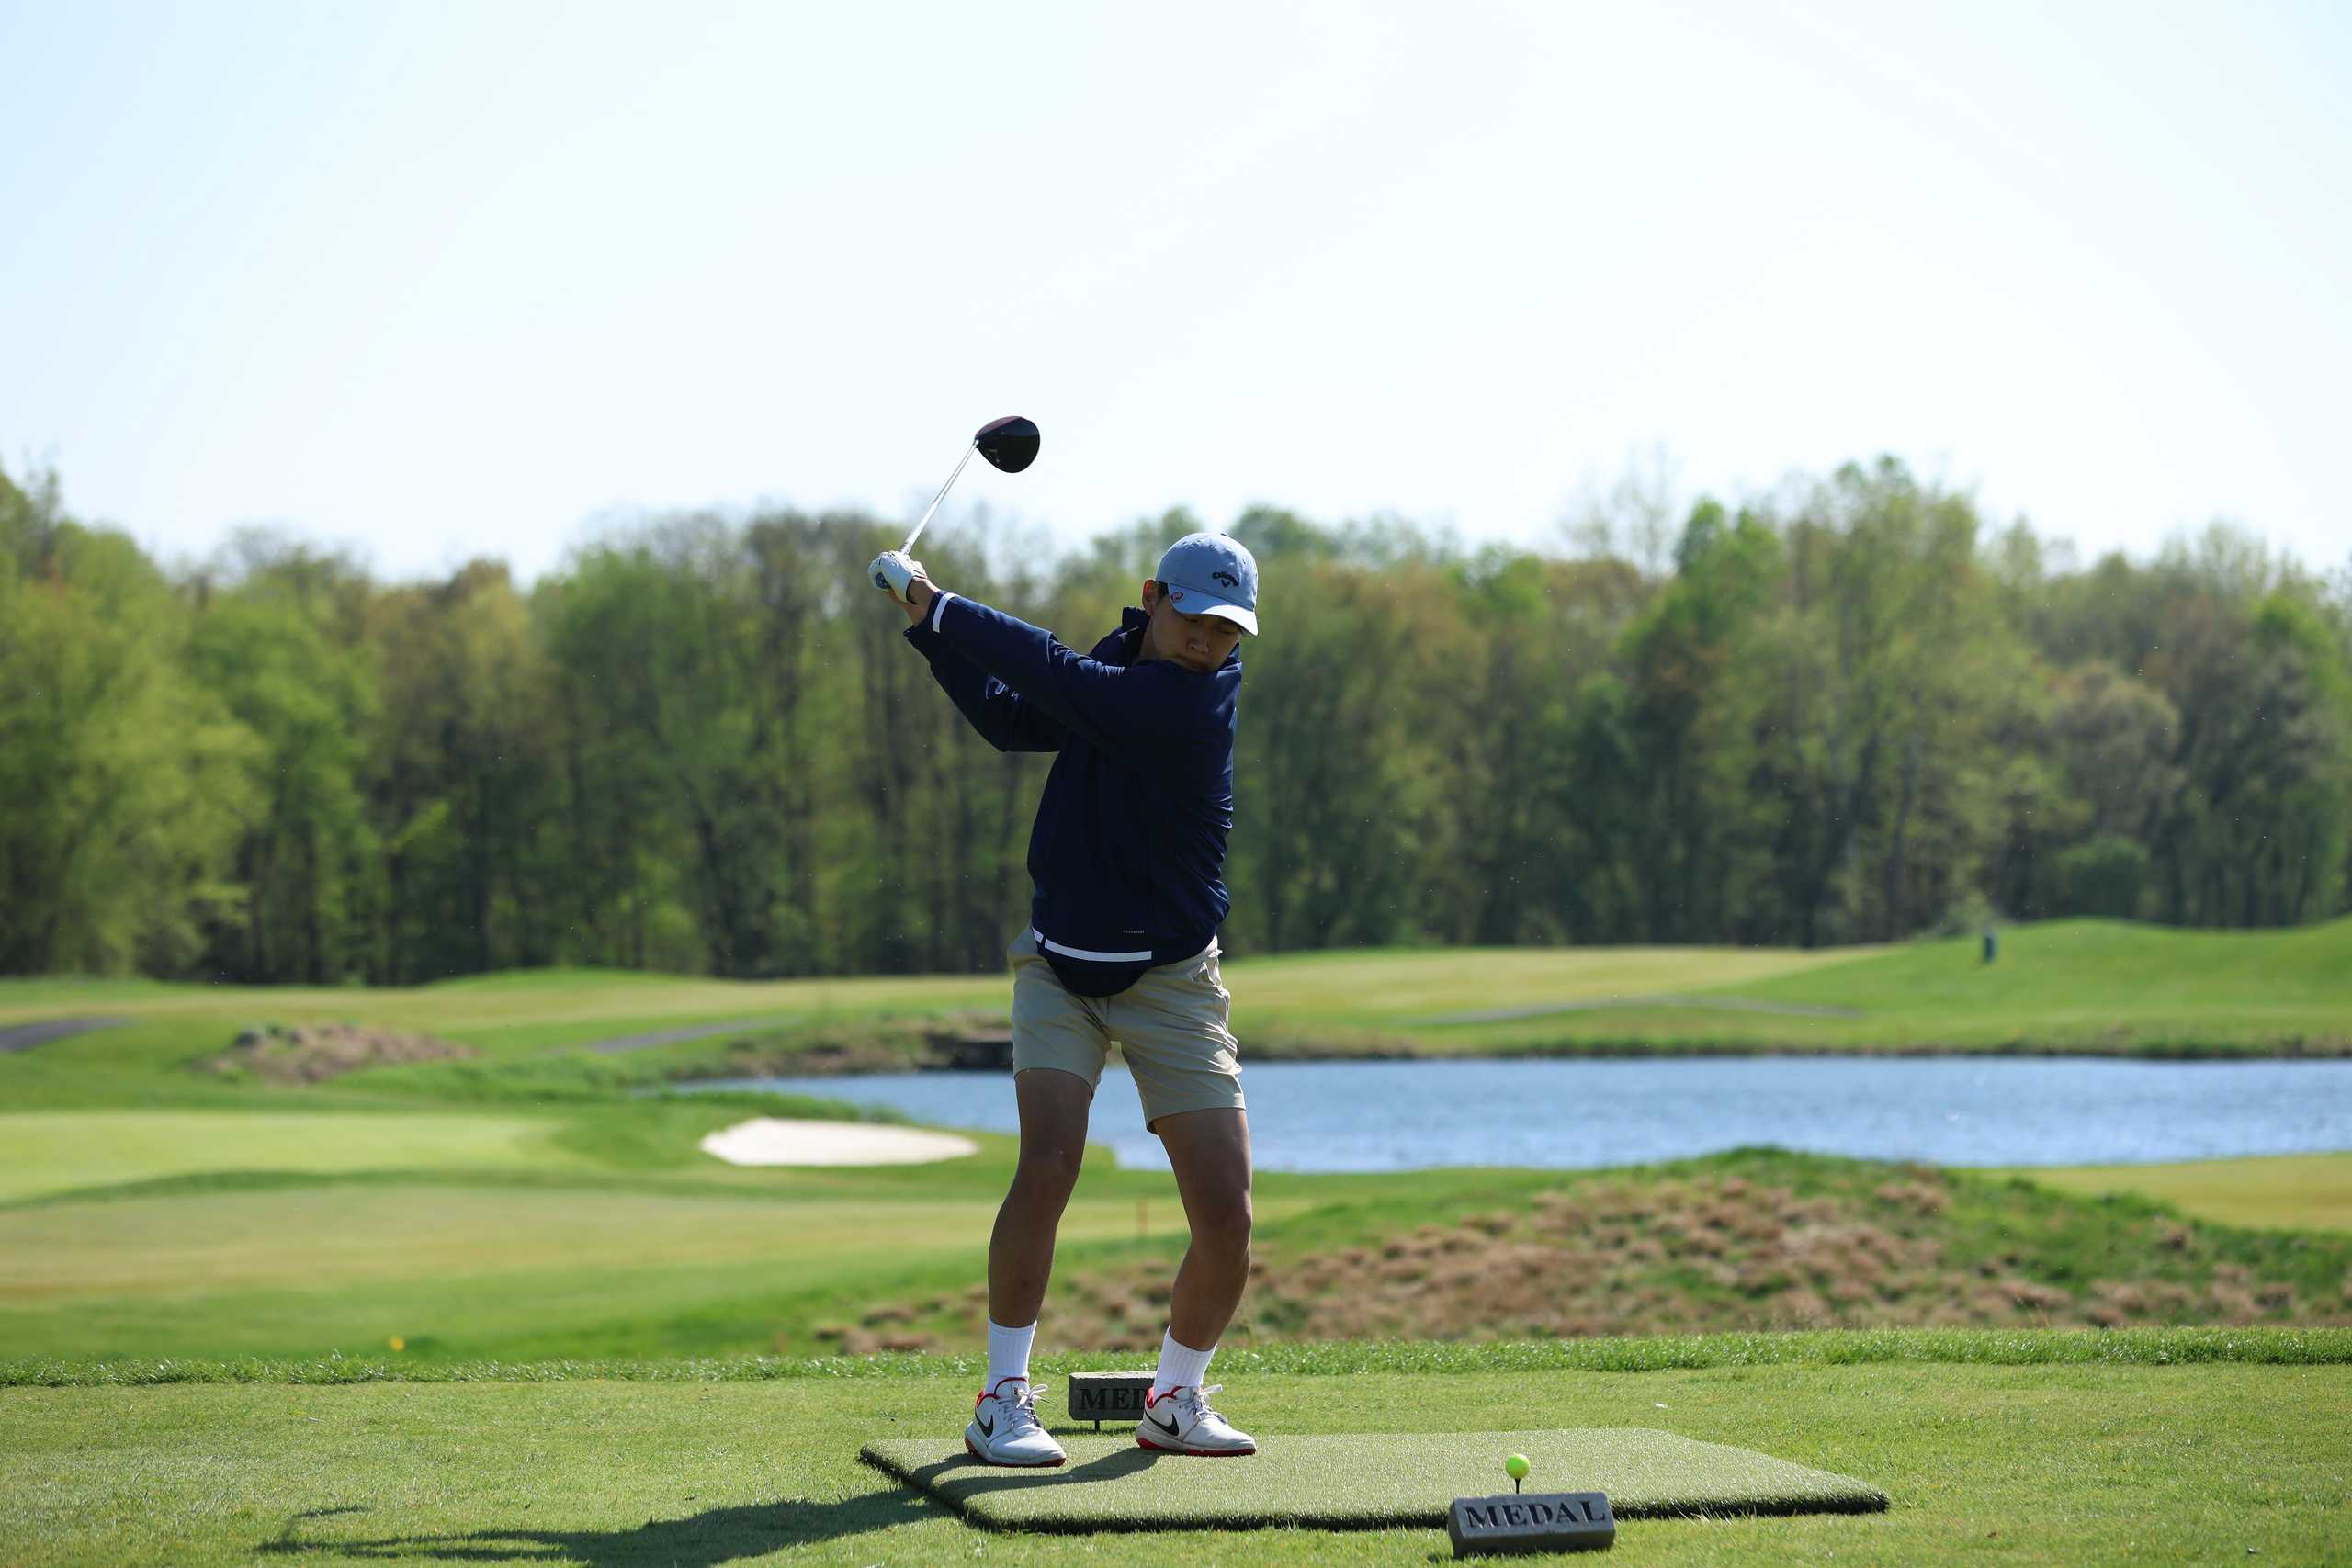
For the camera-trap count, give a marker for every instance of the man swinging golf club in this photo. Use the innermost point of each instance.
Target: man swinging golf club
(1126, 858)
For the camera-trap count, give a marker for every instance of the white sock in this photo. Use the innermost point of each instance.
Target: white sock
(1008, 1352)
(1181, 1366)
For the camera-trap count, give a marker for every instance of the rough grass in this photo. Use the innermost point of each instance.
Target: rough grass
(2034, 1464)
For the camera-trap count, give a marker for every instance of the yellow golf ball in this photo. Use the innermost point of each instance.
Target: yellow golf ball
(1516, 1467)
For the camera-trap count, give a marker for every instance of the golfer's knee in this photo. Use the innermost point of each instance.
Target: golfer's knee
(1223, 1225)
(1048, 1171)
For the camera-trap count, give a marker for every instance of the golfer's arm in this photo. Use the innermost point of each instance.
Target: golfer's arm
(992, 707)
(1103, 702)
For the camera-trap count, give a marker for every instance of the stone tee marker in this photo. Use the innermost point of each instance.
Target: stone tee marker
(1547, 1521)
(1108, 1396)
(1537, 1521)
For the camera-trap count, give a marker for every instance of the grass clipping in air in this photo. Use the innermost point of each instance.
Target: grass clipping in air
(1357, 1481)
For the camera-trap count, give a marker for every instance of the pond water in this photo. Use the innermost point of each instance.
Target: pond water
(1334, 1116)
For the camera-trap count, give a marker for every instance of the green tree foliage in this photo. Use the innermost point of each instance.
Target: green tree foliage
(1852, 713)
(124, 782)
(463, 798)
(2101, 875)
(1692, 728)
(307, 865)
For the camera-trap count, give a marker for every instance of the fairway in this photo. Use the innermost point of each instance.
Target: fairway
(2286, 1192)
(2097, 987)
(2057, 1465)
(60, 1151)
(452, 1269)
(1410, 988)
(2100, 986)
(522, 1011)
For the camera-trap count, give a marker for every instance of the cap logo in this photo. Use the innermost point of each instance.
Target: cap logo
(1177, 594)
(1226, 578)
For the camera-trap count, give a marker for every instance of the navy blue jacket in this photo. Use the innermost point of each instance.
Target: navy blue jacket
(1127, 854)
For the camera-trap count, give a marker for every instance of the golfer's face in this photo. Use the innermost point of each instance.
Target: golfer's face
(1197, 642)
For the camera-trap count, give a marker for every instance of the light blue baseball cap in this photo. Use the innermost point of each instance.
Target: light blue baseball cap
(1210, 574)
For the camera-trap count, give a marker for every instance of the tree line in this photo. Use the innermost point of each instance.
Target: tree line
(1851, 712)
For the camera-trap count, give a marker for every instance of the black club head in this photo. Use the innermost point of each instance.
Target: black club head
(1009, 444)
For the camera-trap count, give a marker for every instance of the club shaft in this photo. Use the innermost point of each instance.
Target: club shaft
(936, 500)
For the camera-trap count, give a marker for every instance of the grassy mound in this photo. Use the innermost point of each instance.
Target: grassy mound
(1758, 1239)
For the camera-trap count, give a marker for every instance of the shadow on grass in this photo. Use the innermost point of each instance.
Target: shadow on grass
(705, 1539)
(970, 1477)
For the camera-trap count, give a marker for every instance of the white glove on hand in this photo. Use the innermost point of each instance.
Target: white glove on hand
(893, 570)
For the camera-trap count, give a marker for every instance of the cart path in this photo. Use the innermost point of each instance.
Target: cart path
(24, 1036)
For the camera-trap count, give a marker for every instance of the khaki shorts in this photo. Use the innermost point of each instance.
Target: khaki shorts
(1171, 1026)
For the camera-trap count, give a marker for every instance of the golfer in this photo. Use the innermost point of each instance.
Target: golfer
(1126, 858)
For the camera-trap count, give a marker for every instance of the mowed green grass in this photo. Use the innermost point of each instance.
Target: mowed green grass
(1405, 990)
(60, 1151)
(2283, 1192)
(2033, 1464)
(708, 1261)
(517, 1271)
(149, 1209)
(2070, 984)
(2105, 983)
(558, 1230)
(2090, 986)
(512, 1013)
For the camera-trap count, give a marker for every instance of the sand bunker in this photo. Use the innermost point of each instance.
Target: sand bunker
(769, 1140)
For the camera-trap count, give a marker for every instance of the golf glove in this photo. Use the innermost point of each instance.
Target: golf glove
(893, 570)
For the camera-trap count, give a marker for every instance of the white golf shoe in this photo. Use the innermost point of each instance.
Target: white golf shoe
(1181, 1422)
(1005, 1430)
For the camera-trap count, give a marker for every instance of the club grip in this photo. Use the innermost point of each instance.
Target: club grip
(894, 572)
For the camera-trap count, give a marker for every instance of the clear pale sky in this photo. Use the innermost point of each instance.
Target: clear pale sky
(441, 280)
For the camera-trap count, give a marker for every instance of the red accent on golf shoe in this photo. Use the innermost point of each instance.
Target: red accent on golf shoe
(970, 1447)
(1150, 1399)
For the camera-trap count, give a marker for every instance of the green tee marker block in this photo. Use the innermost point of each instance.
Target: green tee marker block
(1108, 1396)
(1539, 1522)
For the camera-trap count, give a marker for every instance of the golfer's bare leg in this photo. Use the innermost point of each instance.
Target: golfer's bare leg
(1210, 1150)
(1053, 1140)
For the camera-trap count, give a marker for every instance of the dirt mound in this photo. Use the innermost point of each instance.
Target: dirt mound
(314, 1053)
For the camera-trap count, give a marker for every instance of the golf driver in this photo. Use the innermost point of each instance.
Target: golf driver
(1009, 444)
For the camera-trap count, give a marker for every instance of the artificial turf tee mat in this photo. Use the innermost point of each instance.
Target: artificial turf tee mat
(1351, 1481)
